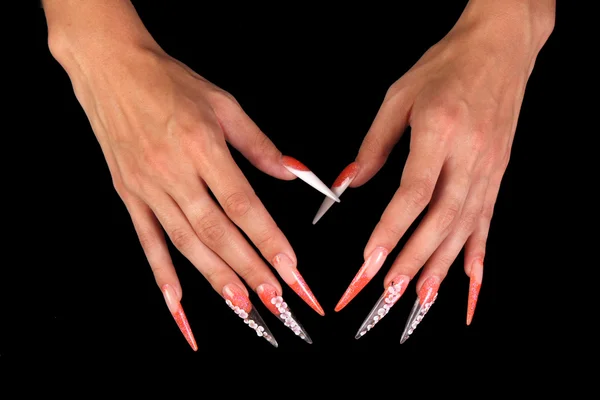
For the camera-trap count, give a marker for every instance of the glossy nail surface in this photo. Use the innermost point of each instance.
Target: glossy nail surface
(275, 303)
(171, 298)
(237, 300)
(339, 186)
(474, 288)
(389, 297)
(290, 274)
(427, 295)
(305, 174)
(366, 272)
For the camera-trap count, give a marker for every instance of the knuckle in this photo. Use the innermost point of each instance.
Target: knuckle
(444, 118)
(182, 238)
(372, 145)
(442, 263)
(158, 165)
(247, 271)
(210, 229)
(263, 144)
(448, 215)
(210, 273)
(393, 231)
(420, 193)
(147, 240)
(468, 220)
(487, 212)
(264, 239)
(237, 204)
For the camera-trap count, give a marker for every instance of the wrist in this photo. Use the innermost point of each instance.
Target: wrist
(83, 34)
(517, 29)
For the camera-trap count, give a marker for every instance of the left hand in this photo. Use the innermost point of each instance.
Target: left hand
(462, 102)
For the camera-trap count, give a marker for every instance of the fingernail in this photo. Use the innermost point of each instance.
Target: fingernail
(389, 297)
(177, 311)
(305, 174)
(289, 273)
(364, 275)
(274, 302)
(427, 295)
(474, 287)
(339, 186)
(237, 300)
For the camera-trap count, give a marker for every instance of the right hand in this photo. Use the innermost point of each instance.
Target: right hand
(163, 130)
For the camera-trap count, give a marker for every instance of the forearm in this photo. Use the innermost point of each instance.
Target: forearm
(90, 32)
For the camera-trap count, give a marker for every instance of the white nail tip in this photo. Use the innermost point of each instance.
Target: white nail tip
(310, 178)
(327, 203)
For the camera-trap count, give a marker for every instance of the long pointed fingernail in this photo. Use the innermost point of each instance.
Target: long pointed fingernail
(427, 295)
(364, 275)
(305, 174)
(339, 186)
(174, 305)
(474, 287)
(274, 302)
(389, 297)
(289, 273)
(237, 300)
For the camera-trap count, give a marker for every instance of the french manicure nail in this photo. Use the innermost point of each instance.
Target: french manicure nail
(364, 275)
(274, 302)
(389, 297)
(289, 273)
(237, 300)
(176, 310)
(474, 287)
(427, 295)
(305, 174)
(339, 186)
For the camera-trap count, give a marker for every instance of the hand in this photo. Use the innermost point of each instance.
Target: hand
(163, 130)
(461, 101)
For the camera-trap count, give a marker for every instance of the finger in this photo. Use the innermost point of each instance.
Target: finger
(222, 278)
(445, 209)
(436, 268)
(219, 234)
(395, 283)
(420, 174)
(244, 208)
(475, 248)
(155, 248)
(243, 134)
(387, 128)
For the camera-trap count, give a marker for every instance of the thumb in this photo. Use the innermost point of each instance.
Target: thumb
(385, 131)
(243, 134)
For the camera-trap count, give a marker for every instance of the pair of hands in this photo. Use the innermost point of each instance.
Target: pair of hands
(164, 131)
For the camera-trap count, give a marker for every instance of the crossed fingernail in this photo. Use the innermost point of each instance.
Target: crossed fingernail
(305, 174)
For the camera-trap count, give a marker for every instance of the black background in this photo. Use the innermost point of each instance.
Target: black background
(312, 79)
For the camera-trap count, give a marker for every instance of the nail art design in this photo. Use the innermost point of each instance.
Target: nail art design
(290, 274)
(176, 310)
(389, 297)
(364, 276)
(339, 186)
(237, 300)
(305, 174)
(474, 288)
(426, 297)
(274, 302)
